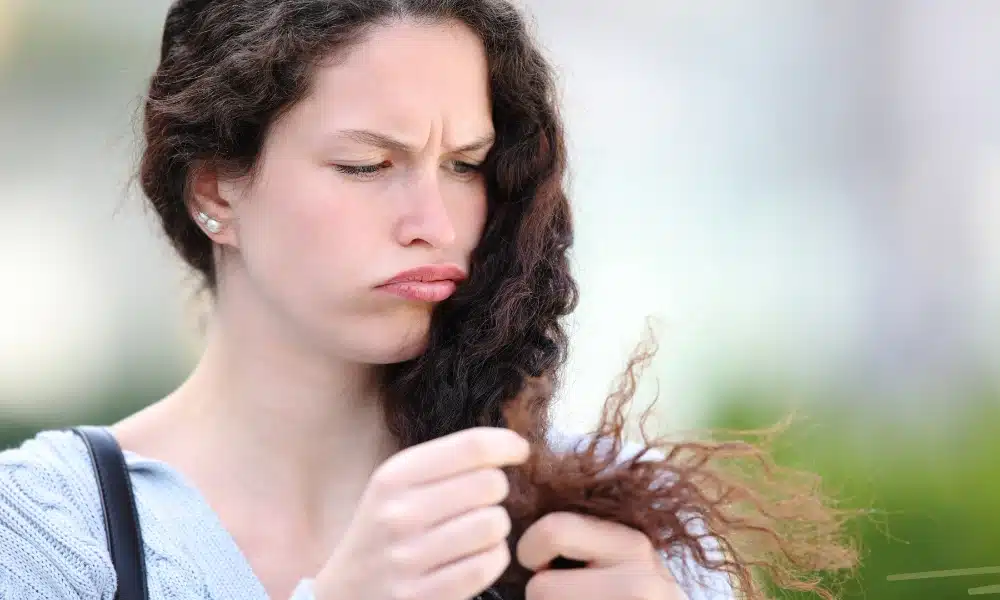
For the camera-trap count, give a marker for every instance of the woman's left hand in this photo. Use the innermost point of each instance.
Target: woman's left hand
(621, 562)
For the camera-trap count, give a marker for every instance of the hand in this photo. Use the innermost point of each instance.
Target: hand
(621, 562)
(429, 524)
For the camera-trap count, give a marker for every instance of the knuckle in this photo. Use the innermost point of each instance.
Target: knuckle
(480, 570)
(383, 479)
(641, 542)
(538, 588)
(549, 526)
(478, 448)
(498, 523)
(396, 519)
(400, 558)
(495, 562)
(495, 484)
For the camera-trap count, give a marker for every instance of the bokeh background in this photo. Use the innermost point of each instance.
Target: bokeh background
(804, 194)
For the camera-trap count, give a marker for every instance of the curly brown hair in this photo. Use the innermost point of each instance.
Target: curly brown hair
(723, 505)
(229, 68)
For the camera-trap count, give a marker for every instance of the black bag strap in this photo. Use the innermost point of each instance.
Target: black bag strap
(121, 520)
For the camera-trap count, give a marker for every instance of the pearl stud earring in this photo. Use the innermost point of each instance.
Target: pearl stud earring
(210, 224)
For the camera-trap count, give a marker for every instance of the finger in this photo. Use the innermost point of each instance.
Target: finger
(463, 578)
(466, 450)
(414, 511)
(594, 541)
(444, 500)
(462, 537)
(633, 582)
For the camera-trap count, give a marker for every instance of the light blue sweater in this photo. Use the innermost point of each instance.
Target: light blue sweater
(53, 544)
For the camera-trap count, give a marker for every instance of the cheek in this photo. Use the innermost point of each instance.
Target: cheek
(468, 210)
(303, 231)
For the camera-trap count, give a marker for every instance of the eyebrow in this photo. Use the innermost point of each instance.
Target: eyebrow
(381, 140)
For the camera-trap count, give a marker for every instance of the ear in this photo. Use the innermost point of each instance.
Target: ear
(211, 203)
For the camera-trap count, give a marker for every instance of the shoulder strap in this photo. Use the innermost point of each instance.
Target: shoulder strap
(121, 520)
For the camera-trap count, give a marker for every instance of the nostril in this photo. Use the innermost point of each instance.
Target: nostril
(561, 562)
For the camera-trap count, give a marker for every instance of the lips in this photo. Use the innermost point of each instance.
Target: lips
(429, 283)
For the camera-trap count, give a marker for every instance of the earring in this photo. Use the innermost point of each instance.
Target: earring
(210, 224)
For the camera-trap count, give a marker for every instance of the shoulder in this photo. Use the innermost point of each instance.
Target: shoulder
(698, 582)
(52, 541)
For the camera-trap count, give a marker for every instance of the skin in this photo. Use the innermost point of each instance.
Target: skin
(285, 387)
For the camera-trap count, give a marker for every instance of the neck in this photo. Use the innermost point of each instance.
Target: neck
(283, 423)
(303, 424)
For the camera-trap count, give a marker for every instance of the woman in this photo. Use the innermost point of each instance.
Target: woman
(372, 191)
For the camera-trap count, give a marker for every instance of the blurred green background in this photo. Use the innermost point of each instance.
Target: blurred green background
(805, 194)
(933, 490)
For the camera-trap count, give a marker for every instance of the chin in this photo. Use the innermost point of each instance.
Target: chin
(400, 349)
(407, 352)
(390, 340)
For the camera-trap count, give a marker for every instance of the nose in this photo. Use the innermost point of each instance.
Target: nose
(425, 219)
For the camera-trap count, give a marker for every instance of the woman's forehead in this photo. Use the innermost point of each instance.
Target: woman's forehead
(405, 81)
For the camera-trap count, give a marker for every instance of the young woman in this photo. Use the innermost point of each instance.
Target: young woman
(373, 193)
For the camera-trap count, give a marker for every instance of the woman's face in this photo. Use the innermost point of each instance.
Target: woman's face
(372, 175)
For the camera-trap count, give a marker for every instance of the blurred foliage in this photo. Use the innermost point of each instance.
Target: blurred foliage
(934, 490)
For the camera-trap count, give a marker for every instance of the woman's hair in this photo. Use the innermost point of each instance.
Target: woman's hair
(723, 505)
(230, 68)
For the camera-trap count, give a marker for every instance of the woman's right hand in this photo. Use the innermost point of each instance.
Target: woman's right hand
(429, 525)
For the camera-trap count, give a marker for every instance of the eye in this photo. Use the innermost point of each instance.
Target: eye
(464, 168)
(363, 171)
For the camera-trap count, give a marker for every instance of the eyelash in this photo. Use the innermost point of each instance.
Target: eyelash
(370, 171)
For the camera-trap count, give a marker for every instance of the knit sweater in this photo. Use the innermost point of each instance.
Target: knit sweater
(53, 544)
